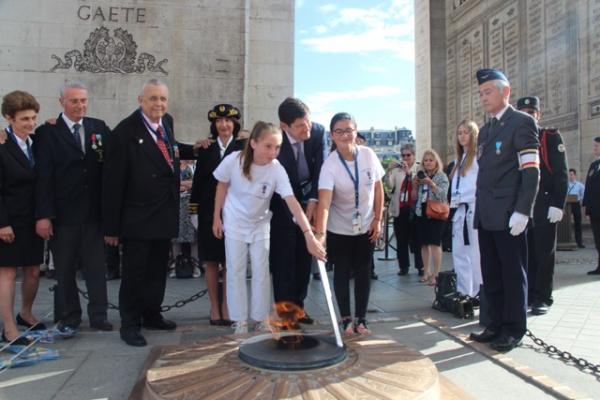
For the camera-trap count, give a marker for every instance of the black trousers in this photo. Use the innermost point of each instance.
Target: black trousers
(351, 254)
(73, 246)
(595, 221)
(576, 211)
(113, 259)
(504, 270)
(143, 280)
(541, 247)
(406, 238)
(290, 264)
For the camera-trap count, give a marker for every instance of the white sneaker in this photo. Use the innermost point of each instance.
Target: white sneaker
(240, 327)
(196, 273)
(263, 327)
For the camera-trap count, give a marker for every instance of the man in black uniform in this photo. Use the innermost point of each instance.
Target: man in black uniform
(591, 200)
(506, 187)
(547, 211)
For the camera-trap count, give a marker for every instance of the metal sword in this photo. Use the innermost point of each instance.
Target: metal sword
(332, 314)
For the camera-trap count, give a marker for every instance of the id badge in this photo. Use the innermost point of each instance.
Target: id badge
(356, 222)
(455, 200)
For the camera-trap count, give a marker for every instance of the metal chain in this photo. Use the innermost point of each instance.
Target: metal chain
(177, 304)
(579, 362)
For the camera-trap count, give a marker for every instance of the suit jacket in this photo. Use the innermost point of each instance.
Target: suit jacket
(313, 151)
(141, 190)
(502, 187)
(17, 186)
(554, 176)
(591, 196)
(204, 186)
(69, 186)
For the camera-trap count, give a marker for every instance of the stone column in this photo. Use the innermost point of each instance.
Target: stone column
(430, 63)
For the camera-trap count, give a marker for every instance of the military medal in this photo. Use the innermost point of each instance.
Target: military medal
(176, 151)
(498, 147)
(479, 151)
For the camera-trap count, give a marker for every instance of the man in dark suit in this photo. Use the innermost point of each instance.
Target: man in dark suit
(547, 211)
(591, 200)
(69, 161)
(506, 188)
(301, 155)
(141, 206)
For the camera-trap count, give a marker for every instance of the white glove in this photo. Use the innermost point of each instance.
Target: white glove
(554, 215)
(517, 223)
(194, 220)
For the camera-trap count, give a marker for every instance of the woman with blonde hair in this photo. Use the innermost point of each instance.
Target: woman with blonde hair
(431, 184)
(465, 243)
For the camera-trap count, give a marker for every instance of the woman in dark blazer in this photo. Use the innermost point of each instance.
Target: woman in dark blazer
(19, 244)
(224, 128)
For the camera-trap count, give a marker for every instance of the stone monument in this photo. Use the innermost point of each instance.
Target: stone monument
(547, 48)
(234, 51)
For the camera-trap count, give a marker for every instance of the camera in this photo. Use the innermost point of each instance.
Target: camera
(421, 175)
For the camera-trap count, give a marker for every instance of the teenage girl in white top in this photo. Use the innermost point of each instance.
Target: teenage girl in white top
(247, 181)
(465, 242)
(350, 208)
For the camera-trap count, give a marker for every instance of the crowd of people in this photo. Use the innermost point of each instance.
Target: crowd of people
(276, 198)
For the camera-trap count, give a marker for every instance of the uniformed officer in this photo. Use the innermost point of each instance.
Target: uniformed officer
(507, 183)
(547, 211)
(591, 200)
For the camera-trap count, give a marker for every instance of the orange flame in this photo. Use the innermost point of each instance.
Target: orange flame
(285, 317)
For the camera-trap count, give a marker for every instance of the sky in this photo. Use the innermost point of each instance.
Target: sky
(358, 57)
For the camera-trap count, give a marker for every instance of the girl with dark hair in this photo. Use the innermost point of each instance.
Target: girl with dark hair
(224, 128)
(247, 181)
(19, 244)
(350, 210)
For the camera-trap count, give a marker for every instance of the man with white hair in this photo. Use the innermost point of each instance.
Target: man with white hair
(69, 158)
(507, 184)
(141, 208)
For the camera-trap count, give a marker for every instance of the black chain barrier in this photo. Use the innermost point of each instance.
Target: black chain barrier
(567, 357)
(177, 304)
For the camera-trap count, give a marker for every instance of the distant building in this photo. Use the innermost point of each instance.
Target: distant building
(385, 142)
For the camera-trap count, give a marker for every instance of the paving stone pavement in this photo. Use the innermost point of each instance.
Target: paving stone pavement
(97, 365)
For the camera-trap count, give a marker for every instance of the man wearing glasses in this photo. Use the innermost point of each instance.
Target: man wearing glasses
(399, 177)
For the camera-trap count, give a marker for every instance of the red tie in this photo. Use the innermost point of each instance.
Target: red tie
(160, 141)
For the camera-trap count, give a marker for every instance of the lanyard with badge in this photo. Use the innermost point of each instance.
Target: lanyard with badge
(455, 197)
(356, 217)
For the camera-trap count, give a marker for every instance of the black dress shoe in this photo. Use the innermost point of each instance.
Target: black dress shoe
(581, 246)
(594, 272)
(306, 320)
(160, 324)
(34, 327)
(486, 336)
(102, 325)
(50, 274)
(505, 343)
(403, 272)
(540, 308)
(421, 272)
(133, 337)
(20, 341)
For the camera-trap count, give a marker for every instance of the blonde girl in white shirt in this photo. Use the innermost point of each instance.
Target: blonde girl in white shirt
(247, 181)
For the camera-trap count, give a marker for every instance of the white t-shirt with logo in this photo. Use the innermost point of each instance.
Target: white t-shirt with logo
(246, 214)
(334, 176)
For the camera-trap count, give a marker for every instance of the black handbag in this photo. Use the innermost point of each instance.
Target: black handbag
(184, 267)
(447, 299)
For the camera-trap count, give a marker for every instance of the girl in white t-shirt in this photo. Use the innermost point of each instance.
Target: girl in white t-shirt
(350, 209)
(247, 181)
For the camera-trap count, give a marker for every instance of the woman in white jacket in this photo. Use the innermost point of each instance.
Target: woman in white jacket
(465, 243)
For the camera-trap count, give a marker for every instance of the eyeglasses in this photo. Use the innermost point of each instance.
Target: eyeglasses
(406, 155)
(347, 131)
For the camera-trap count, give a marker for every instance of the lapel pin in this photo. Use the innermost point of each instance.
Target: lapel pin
(140, 141)
(501, 123)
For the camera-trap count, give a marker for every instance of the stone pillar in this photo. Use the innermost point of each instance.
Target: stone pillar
(430, 63)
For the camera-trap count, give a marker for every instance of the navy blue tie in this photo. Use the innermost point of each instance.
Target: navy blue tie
(30, 154)
(76, 136)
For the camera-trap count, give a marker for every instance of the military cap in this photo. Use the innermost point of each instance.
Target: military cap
(597, 139)
(223, 111)
(528, 102)
(490, 74)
